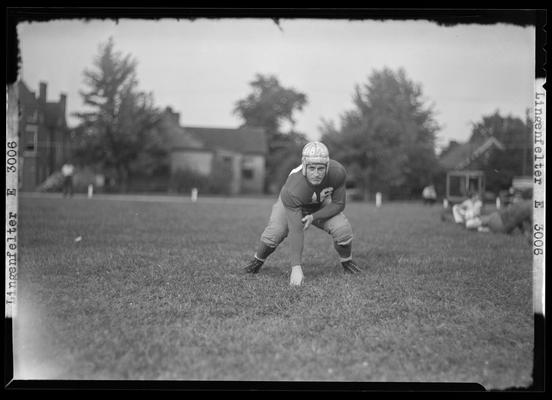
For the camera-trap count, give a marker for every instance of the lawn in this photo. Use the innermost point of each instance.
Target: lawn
(154, 291)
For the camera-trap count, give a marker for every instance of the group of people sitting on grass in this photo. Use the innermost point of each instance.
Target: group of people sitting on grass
(518, 215)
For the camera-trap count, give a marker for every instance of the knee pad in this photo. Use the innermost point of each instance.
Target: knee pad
(273, 237)
(343, 235)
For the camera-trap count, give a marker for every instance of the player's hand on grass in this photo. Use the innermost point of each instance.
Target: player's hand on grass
(296, 277)
(307, 221)
(350, 267)
(254, 266)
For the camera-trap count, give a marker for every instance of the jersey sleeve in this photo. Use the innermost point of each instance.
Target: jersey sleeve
(289, 199)
(296, 234)
(517, 214)
(339, 195)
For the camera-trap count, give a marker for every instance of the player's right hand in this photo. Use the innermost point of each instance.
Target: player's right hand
(307, 221)
(296, 277)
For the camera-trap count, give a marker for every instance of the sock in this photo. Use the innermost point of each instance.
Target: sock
(263, 251)
(344, 250)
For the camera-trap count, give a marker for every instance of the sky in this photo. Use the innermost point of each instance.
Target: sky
(201, 68)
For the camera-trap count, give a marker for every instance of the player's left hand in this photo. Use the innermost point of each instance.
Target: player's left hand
(307, 221)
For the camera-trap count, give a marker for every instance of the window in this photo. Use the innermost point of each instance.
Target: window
(30, 138)
(457, 186)
(247, 173)
(32, 118)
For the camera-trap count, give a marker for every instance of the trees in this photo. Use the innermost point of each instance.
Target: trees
(118, 132)
(387, 140)
(271, 106)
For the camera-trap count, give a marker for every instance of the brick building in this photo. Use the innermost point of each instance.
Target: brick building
(43, 136)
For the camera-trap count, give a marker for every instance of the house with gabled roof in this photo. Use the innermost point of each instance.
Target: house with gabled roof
(463, 162)
(43, 135)
(469, 155)
(241, 152)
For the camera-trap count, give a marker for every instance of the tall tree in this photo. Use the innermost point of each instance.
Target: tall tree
(388, 139)
(118, 130)
(272, 106)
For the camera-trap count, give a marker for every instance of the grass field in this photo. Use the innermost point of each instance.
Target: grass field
(154, 290)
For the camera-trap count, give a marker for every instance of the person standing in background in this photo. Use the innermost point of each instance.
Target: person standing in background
(67, 170)
(429, 194)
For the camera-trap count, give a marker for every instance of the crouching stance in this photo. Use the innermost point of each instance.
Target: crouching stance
(314, 194)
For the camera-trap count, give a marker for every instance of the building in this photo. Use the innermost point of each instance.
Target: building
(463, 163)
(43, 136)
(239, 153)
(470, 155)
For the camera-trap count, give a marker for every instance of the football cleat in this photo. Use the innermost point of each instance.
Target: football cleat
(254, 266)
(350, 267)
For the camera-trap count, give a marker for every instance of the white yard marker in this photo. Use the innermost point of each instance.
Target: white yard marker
(194, 195)
(378, 199)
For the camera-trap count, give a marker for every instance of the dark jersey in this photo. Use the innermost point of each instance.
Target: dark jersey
(297, 192)
(516, 215)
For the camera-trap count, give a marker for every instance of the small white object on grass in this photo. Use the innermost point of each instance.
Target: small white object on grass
(90, 190)
(194, 194)
(78, 238)
(378, 199)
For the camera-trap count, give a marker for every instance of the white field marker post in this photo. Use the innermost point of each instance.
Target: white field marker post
(194, 195)
(498, 203)
(90, 191)
(378, 199)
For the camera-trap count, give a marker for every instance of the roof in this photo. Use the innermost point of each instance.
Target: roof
(54, 113)
(462, 155)
(241, 140)
(26, 96)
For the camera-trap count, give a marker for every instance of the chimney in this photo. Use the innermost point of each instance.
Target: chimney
(63, 103)
(42, 95)
(173, 116)
(176, 117)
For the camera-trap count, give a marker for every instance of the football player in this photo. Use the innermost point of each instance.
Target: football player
(506, 220)
(313, 194)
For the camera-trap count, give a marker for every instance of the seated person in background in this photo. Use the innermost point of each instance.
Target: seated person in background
(506, 220)
(468, 209)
